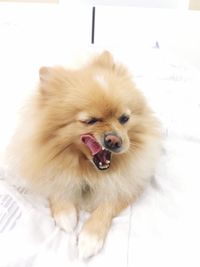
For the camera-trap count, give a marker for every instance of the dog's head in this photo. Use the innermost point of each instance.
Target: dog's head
(96, 111)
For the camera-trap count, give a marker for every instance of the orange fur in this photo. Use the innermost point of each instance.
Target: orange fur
(58, 207)
(54, 161)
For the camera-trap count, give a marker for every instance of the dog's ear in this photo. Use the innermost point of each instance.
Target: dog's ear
(51, 79)
(44, 74)
(105, 59)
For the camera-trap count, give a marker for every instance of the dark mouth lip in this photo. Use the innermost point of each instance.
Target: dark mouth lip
(97, 159)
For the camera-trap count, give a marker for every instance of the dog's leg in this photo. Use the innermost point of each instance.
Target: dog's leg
(64, 213)
(93, 234)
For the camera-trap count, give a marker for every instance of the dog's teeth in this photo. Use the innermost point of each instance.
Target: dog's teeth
(103, 167)
(107, 161)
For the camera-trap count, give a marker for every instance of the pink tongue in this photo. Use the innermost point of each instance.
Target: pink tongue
(91, 143)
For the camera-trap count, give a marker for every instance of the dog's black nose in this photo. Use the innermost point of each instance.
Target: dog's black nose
(113, 142)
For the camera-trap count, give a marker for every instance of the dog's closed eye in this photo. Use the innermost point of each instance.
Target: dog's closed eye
(87, 119)
(91, 121)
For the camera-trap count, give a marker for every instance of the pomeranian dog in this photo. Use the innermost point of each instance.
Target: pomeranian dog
(89, 141)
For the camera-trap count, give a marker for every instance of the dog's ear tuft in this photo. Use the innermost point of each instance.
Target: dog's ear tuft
(53, 80)
(44, 73)
(47, 80)
(105, 59)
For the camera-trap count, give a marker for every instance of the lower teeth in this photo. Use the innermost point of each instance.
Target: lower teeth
(103, 167)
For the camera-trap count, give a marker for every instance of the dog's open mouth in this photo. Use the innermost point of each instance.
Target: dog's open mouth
(101, 156)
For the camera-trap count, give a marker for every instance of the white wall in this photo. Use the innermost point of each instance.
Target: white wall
(145, 3)
(176, 31)
(38, 1)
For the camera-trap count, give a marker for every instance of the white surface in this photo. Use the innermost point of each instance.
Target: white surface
(165, 224)
(35, 240)
(162, 228)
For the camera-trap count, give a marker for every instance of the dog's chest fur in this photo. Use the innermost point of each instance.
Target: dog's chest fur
(86, 190)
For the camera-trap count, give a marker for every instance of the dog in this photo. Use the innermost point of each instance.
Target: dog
(88, 141)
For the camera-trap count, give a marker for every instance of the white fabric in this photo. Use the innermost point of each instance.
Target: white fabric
(29, 236)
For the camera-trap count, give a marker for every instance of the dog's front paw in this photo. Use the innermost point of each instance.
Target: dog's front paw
(66, 221)
(88, 245)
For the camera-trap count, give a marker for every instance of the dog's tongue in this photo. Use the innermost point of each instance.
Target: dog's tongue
(91, 143)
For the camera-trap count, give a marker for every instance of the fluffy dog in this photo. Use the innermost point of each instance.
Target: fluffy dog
(88, 141)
